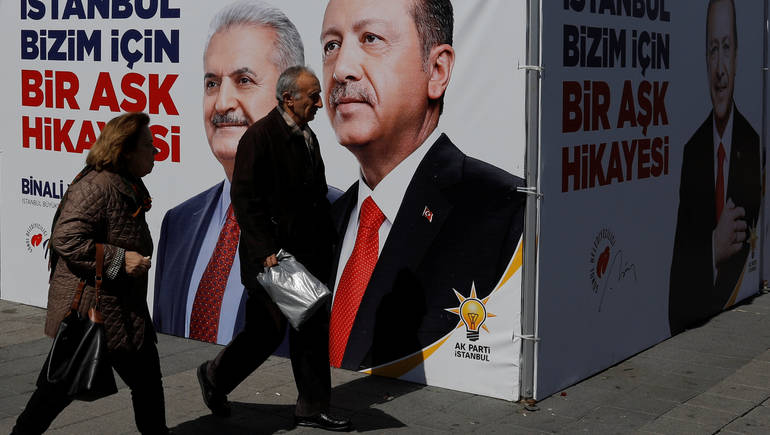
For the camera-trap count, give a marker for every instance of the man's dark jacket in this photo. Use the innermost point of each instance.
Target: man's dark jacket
(279, 197)
(694, 293)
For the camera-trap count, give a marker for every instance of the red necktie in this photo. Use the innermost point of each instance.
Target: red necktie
(720, 187)
(354, 280)
(204, 319)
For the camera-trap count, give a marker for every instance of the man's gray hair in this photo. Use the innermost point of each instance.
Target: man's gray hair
(288, 50)
(287, 81)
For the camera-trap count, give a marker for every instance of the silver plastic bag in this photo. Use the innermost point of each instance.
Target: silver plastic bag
(296, 291)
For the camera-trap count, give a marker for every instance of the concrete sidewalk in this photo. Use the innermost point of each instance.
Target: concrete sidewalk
(712, 379)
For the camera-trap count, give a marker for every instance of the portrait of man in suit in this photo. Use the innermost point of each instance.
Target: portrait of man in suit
(719, 191)
(249, 44)
(423, 218)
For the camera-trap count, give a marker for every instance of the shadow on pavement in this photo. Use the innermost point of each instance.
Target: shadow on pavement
(358, 400)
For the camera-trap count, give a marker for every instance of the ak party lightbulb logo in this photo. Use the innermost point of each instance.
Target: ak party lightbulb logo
(473, 313)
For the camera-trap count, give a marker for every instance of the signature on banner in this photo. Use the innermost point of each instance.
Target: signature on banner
(610, 270)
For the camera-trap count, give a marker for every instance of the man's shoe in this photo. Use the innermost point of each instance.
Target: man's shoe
(216, 402)
(324, 421)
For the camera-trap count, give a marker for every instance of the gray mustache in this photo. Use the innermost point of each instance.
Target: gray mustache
(353, 91)
(228, 118)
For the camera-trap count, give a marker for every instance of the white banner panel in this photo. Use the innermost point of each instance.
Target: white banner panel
(71, 66)
(626, 252)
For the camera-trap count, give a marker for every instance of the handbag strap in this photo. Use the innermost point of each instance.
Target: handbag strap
(97, 279)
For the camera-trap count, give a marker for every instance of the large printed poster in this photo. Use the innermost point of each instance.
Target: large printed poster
(442, 303)
(651, 113)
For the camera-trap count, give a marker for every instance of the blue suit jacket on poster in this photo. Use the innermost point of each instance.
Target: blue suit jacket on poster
(181, 236)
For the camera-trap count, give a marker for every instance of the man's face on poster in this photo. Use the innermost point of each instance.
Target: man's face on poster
(239, 85)
(372, 69)
(721, 51)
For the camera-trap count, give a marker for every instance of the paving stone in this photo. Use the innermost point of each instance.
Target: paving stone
(116, 422)
(711, 418)
(20, 384)
(740, 391)
(589, 392)
(183, 382)
(641, 366)
(430, 399)
(755, 377)
(722, 403)
(186, 359)
(285, 394)
(643, 401)
(675, 353)
(6, 393)
(449, 422)
(6, 424)
(508, 428)
(547, 422)
(22, 366)
(341, 377)
(597, 428)
(687, 383)
(703, 372)
(12, 406)
(665, 425)
(745, 318)
(364, 392)
(21, 335)
(612, 381)
(376, 420)
(79, 411)
(663, 392)
(624, 419)
(262, 381)
(568, 406)
(756, 421)
(764, 357)
(717, 360)
(480, 407)
(213, 425)
(26, 349)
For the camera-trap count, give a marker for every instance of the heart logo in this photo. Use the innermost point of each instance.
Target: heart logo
(36, 239)
(604, 259)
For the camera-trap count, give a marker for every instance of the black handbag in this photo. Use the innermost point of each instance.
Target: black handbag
(77, 361)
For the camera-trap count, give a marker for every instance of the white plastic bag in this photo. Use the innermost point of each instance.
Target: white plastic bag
(295, 290)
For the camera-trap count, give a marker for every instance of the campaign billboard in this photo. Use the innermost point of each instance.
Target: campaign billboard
(651, 174)
(438, 304)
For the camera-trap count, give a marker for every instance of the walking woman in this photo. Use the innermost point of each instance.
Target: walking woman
(106, 204)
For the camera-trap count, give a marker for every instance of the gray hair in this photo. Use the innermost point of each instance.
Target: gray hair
(434, 20)
(288, 50)
(287, 81)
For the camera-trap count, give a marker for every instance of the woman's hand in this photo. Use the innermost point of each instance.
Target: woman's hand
(136, 264)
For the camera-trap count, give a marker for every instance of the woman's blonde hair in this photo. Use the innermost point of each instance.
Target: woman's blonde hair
(118, 137)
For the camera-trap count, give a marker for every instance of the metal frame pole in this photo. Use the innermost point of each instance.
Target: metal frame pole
(531, 220)
(763, 141)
